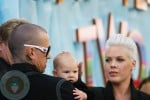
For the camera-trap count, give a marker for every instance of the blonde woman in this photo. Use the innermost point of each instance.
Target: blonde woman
(120, 60)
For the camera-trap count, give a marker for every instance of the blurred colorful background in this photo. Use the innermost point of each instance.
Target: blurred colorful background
(63, 20)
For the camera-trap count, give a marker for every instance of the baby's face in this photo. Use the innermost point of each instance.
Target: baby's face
(68, 72)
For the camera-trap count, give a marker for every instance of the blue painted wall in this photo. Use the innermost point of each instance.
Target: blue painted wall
(62, 19)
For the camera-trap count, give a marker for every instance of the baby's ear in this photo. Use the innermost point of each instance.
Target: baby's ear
(80, 64)
(54, 72)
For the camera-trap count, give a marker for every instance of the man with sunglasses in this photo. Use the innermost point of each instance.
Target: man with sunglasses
(29, 45)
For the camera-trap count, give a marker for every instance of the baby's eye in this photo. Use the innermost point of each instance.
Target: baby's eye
(75, 71)
(66, 71)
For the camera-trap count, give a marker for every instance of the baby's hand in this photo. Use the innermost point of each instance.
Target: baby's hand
(79, 95)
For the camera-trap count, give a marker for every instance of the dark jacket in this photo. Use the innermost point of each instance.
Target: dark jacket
(135, 94)
(82, 86)
(43, 87)
(97, 92)
(106, 93)
(4, 67)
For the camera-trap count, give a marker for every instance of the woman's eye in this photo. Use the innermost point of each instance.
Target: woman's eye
(107, 60)
(120, 59)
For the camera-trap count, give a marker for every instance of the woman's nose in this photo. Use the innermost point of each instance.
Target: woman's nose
(113, 64)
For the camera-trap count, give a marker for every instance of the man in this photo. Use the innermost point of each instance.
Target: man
(29, 45)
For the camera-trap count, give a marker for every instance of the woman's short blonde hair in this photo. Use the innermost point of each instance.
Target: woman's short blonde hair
(121, 40)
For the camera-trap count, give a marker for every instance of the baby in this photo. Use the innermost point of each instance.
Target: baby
(66, 66)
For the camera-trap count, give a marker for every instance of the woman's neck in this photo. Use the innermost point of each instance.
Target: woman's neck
(122, 90)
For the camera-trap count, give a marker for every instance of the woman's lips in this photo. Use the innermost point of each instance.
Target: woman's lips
(113, 73)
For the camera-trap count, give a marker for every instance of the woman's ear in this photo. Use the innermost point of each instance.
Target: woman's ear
(133, 64)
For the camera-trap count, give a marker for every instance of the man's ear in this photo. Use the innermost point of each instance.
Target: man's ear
(29, 53)
(55, 73)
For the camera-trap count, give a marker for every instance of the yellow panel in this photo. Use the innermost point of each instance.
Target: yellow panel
(59, 1)
(125, 2)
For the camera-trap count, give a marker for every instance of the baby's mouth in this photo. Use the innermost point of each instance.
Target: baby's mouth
(71, 80)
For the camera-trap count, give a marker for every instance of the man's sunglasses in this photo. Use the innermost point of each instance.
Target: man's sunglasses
(43, 49)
